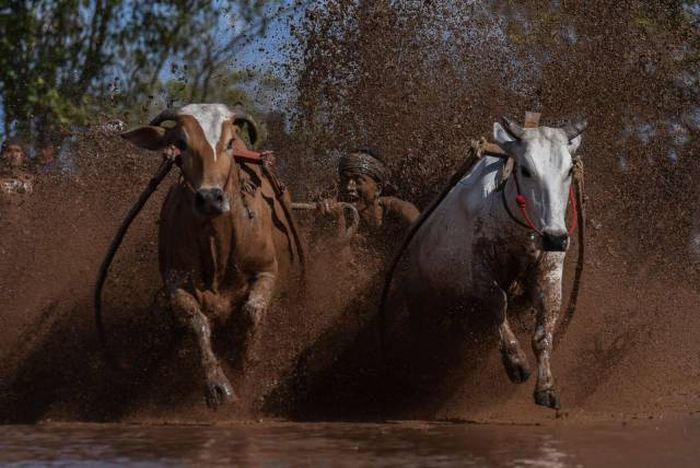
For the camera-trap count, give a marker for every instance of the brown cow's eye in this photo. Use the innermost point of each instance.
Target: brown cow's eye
(230, 144)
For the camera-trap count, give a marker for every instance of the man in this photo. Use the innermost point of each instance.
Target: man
(14, 169)
(349, 273)
(363, 180)
(46, 160)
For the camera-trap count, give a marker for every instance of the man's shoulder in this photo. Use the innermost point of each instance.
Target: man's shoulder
(403, 208)
(391, 201)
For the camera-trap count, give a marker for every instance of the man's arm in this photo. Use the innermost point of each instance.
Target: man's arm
(406, 210)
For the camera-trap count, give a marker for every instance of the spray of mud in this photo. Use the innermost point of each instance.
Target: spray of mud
(417, 81)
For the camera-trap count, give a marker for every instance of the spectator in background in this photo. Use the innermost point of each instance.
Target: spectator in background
(47, 160)
(15, 177)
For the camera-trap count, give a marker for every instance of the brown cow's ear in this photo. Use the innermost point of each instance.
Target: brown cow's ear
(149, 137)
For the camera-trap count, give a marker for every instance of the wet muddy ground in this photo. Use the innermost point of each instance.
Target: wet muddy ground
(636, 443)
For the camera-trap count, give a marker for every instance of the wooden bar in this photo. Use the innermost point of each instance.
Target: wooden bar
(532, 119)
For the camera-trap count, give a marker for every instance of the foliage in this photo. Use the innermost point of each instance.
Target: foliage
(63, 61)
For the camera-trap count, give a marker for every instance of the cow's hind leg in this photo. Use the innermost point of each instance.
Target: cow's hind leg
(218, 389)
(512, 354)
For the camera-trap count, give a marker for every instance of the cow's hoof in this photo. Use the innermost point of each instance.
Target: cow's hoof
(516, 368)
(548, 398)
(218, 391)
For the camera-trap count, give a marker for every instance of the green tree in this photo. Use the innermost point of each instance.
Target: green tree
(61, 61)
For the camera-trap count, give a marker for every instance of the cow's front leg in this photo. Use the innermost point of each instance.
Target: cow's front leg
(512, 354)
(254, 309)
(187, 310)
(546, 297)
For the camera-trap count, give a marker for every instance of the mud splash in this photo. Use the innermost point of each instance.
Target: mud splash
(418, 84)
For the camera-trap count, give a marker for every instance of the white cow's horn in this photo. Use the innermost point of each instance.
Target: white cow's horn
(573, 130)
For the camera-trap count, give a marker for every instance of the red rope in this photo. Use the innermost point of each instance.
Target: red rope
(521, 200)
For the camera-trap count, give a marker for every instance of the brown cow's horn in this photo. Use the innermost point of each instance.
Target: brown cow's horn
(238, 114)
(575, 129)
(167, 114)
(514, 129)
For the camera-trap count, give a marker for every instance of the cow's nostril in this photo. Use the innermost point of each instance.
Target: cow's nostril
(210, 200)
(555, 242)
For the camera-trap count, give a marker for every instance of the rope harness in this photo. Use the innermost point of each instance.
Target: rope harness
(522, 201)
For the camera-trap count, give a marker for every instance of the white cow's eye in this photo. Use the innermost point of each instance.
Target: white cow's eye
(525, 171)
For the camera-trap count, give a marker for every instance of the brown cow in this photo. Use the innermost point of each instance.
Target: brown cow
(225, 231)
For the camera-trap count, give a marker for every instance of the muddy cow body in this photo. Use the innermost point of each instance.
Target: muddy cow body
(474, 250)
(225, 238)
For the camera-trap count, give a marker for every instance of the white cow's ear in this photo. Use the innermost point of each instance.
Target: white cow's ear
(149, 137)
(501, 136)
(574, 144)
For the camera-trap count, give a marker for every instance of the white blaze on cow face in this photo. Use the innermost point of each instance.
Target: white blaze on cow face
(211, 118)
(545, 164)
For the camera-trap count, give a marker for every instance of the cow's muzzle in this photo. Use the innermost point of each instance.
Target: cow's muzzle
(211, 201)
(555, 242)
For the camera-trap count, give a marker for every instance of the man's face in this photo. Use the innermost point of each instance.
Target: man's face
(47, 155)
(359, 187)
(15, 156)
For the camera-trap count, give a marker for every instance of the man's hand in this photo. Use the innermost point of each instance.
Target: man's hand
(329, 207)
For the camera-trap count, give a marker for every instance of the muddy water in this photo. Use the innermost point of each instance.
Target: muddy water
(648, 443)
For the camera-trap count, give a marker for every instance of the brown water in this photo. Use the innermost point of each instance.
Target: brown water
(648, 443)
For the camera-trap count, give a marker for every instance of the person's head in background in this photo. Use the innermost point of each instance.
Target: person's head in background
(47, 155)
(13, 154)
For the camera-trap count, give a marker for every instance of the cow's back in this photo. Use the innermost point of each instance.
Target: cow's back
(446, 252)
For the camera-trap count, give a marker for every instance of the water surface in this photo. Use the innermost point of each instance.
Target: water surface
(648, 443)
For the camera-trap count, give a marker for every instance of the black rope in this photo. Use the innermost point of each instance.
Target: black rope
(163, 170)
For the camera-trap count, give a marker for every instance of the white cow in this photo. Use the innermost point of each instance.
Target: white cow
(478, 243)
